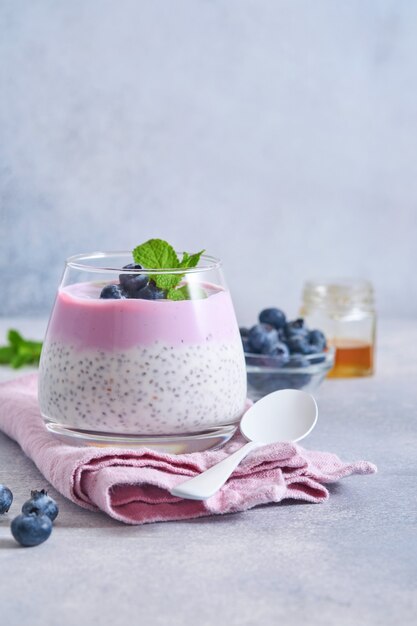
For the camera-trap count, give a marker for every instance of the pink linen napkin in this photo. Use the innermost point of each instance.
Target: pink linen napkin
(133, 485)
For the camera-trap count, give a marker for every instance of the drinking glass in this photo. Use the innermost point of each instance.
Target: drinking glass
(167, 374)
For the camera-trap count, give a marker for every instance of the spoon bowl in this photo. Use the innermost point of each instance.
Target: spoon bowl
(285, 415)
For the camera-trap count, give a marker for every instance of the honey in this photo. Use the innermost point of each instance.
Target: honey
(352, 358)
(344, 310)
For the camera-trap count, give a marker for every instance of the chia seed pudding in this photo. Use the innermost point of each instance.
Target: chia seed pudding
(147, 367)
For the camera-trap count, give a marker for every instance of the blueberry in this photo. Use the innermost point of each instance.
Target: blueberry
(297, 360)
(260, 384)
(31, 530)
(256, 337)
(298, 380)
(151, 292)
(6, 499)
(112, 292)
(270, 343)
(274, 317)
(317, 339)
(281, 335)
(244, 332)
(299, 344)
(41, 503)
(262, 338)
(296, 327)
(282, 352)
(132, 283)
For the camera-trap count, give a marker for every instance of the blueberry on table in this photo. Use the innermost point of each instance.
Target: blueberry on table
(274, 317)
(6, 499)
(132, 283)
(112, 292)
(317, 339)
(42, 504)
(32, 529)
(151, 292)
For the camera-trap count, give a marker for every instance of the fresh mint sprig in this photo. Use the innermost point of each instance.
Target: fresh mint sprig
(20, 351)
(187, 292)
(157, 254)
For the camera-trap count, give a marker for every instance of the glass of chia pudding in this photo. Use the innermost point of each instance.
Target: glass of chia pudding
(143, 357)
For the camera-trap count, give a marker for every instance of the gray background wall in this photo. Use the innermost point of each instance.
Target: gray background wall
(279, 135)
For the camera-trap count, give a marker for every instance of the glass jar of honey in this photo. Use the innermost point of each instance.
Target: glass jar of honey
(344, 310)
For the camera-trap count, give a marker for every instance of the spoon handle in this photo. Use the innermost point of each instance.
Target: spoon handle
(206, 484)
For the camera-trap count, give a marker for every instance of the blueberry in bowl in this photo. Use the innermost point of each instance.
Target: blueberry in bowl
(284, 355)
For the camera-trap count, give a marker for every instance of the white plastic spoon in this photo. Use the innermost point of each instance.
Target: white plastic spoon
(286, 415)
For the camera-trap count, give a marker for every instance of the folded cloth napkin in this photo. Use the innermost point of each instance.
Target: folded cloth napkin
(133, 485)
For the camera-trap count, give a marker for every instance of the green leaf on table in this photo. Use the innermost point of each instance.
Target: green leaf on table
(15, 338)
(20, 351)
(6, 354)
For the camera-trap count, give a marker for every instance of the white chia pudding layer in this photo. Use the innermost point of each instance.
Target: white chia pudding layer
(152, 390)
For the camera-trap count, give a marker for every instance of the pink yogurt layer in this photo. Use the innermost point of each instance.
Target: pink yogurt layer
(85, 321)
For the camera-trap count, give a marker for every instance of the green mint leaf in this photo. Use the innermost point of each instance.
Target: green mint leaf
(178, 294)
(34, 346)
(20, 351)
(6, 355)
(158, 254)
(184, 259)
(190, 260)
(187, 261)
(187, 292)
(167, 281)
(30, 353)
(18, 360)
(14, 338)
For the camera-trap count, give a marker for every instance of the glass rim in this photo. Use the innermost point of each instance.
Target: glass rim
(329, 356)
(75, 262)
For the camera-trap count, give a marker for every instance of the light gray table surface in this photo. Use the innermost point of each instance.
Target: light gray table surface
(351, 560)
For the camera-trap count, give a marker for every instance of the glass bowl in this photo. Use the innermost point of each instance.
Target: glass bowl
(267, 374)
